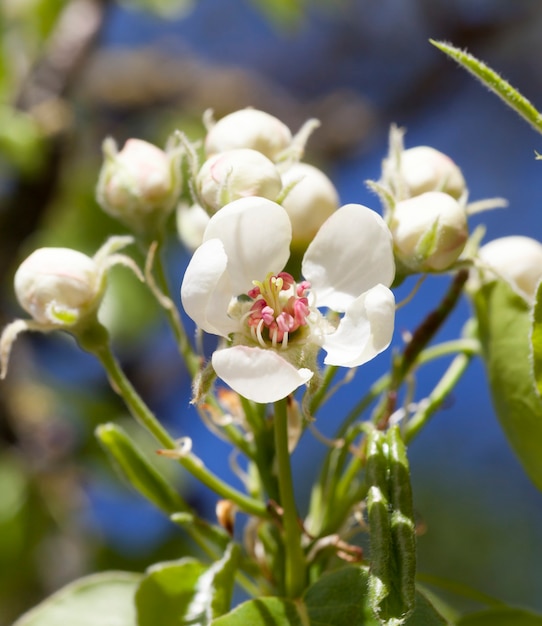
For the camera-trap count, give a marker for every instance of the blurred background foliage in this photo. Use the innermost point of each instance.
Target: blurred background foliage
(75, 71)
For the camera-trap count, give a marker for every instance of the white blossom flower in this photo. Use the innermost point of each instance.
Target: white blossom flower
(516, 259)
(61, 289)
(235, 287)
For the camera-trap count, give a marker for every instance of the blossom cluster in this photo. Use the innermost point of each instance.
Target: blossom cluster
(279, 269)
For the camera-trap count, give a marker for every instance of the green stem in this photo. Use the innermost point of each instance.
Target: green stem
(334, 490)
(445, 385)
(146, 418)
(317, 399)
(191, 360)
(295, 566)
(404, 363)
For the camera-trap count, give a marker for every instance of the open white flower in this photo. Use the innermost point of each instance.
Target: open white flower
(234, 287)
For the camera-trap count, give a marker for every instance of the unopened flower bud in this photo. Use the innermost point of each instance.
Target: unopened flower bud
(248, 128)
(429, 231)
(516, 259)
(423, 169)
(191, 224)
(59, 285)
(139, 185)
(62, 289)
(235, 174)
(311, 199)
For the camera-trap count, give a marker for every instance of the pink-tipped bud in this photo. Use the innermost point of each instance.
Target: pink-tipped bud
(236, 174)
(139, 185)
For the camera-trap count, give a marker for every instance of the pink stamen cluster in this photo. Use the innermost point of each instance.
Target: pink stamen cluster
(275, 314)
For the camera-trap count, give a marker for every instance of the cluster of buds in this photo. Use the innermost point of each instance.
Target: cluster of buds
(425, 199)
(250, 153)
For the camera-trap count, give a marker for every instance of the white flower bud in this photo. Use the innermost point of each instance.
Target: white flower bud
(59, 286)
(236, 174)
(248, 128)
(139, 185)
(429, 231)
(191, 224)
(310, 201)
(425, 169)
(516, 259)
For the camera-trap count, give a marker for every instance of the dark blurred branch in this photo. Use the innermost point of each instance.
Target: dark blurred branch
(45, 87)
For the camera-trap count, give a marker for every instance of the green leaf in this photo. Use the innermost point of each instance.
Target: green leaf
(340, 598)
(425, 614)
(495, 83)
(504, 321)
(186, 591)
(337, 599)
(536, 340)
(263, 612)
(105, 599)
(501, 617)
(137, 470)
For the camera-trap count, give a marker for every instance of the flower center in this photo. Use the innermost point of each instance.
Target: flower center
(280, 307)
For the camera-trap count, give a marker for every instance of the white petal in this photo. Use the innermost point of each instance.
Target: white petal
(256, 234)
(257, 374)
(365, 330)
(206, 290)
(351, 253)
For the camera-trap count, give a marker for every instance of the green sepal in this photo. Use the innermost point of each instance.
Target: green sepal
(494, 82)
(403, 527)
(187, 591)
(137, 470)
(504, 327)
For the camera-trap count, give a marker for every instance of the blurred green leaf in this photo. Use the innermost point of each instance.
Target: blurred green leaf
(104, 599)
(504, 321)
(20, 139)
(171, 9)
(501, 617)
(262, 612)
(284, 12)
(495, 83)
(186, 591)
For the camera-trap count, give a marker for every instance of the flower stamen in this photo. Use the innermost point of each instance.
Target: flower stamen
(280, 307)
